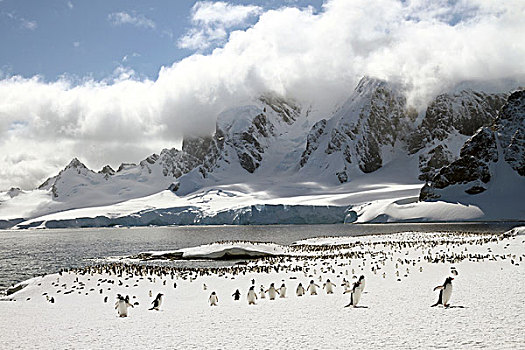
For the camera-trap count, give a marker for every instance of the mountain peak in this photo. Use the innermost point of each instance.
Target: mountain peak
(75, 163)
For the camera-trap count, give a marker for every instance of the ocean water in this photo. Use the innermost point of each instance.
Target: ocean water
(28, 253)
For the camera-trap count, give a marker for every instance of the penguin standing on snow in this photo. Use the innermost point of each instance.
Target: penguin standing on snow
(445, 291)
(262, 293)
(122, 305)
(347, 285)
(213, 299)
(272, 292)
(329, 287)
(282, 291)
(252, 296)
(300, 290)
(355, 294)
(312, 287)
(157, 302)
(236, 295)
(362, 283)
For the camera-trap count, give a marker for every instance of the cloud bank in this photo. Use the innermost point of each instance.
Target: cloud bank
(315, 57)
(138, 20)
(211, 20)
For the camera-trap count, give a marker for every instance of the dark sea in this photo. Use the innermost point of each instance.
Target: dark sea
(28, 253)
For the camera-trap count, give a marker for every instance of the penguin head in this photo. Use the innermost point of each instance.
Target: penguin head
(361, 278)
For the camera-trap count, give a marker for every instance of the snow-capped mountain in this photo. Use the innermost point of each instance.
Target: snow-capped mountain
(274, 155)
(492, 160)
(361, 136)
(151, 175)
(449, 120)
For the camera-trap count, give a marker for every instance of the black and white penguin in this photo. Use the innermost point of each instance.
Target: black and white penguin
(122, 305)
(329, 286)
(214, 299)
(445, 291)
(300, 290)
(262, 293)
(272, 292)
(236, 295)
(355, 294)
(157, 302)
(252, 296)
(282, 291)
(312, 287)
(362, 283)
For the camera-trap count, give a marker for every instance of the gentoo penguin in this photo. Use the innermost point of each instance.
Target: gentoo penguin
(213, 299)
(355, 294)
(272, 292)
(362, 283)
(261, 292)
(252, 296)
(312, 287)
(236, 295)
(122, 305)
(329, 287)
(347, 285)
(157, 302)
(282, 291)
(300, 290)
(445, 291)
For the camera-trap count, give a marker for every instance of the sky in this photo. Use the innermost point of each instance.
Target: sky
(114, 81)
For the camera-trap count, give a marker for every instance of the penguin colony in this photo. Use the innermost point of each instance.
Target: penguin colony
(314, 262)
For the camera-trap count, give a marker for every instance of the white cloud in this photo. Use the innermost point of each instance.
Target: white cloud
(76, 43)
(23, 22)
(70, 5)
(211, 21)
(138, 20)
(314, 57)
(31, 25)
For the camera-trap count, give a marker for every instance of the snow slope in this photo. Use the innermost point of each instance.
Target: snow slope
(487, 304)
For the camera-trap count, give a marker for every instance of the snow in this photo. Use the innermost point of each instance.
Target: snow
(488, 301)
(222, 250)
(286, 186)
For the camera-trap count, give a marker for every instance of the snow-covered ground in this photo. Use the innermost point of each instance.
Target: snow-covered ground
(488, 301)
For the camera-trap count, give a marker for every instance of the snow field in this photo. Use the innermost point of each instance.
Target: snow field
(398, 313)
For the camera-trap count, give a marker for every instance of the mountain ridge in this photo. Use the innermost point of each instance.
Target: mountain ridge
(271, 150)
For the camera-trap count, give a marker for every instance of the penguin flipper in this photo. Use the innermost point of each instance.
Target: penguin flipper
(438, 288)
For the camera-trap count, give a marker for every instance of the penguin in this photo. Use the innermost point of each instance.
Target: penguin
(272, 292)
(282, 291)
(445, 291)
(236, 295)
(329, 287)
(300, 290)
(157, 302)
(213, 299)
(347, 285)
(362, 283)
(262, 293)
(204, 286)
(355, 294)
(312, 287)
(122, 305)
(252, 296)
